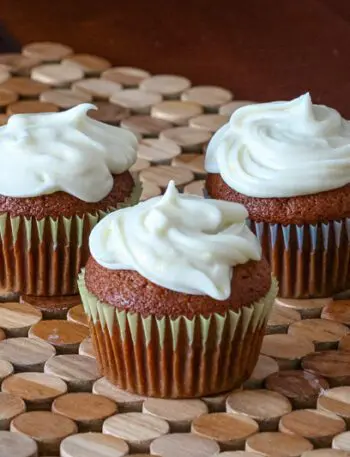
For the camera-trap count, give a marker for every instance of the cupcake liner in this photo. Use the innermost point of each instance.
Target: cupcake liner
(176, 358)
(309, 260)
(43, 257)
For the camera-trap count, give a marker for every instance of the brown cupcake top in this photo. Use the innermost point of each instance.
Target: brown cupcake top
(128, 290)
(63, 204)
(323, 206)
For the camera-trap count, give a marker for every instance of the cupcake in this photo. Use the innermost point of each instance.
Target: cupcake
(288, 163)
(177, 295)
(60, 173)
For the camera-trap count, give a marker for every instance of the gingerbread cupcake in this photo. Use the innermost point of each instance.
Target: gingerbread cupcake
(289, 164)
(60, 173)
(178, 295)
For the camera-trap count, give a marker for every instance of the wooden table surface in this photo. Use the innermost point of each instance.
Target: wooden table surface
(260, 49)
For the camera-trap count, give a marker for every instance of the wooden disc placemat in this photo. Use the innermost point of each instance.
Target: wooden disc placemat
(126, 401)
(184, 445)
(278, 444)
(18, 64)
(136, 100)
(158, 151)
(332, 365)
(10, 407)
(308, 308)
(126, 76)
(57, 75)
(47, 51)
(338, 311)
(210, 97)
(17, 445)
(64, 98)
(189, 138)
(336, 401)
(86, 348)
(17, 318)
(170, 86)
(87, 63)
(99, 89)
(281, 318)
(93, 445)
(78, 316)
(175, 111)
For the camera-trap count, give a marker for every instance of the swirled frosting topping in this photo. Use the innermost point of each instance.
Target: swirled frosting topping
(282, 149)
(45, 153)
(181, 242)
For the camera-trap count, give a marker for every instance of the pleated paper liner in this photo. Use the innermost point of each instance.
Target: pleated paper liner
(309, 260)
(44, 257)
(176, 358)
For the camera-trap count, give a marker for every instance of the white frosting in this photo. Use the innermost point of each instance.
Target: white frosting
(282, 149)
(181, 242)
(44, 153)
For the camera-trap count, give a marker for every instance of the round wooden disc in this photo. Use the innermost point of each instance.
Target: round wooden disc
(145, 125)
(26, 354)
(332, 365)
(264, 367)
(342, 441)
(7, 97)
(88, 63)
(169, 86)
(184, 445)
(24, 87)
(136, 100)
(176, 111)
(268, 442)
(79, 371)
(338, 311)
(336, 401)
(324, 334)
(317, 426)
(46, 428)
(239, 454)
(178, 413)
(31, 106)
(38, 390)
(189, 138)
(231, 107)
(191, 161)
(139, 165)
(308, 308)
(17, 64)
(344, 343)
(10, 407)
(97, 88)
(6, 369)
(325, 453)
(126, 401)
(281, 318)
(108, 113)
(86, 409)
(86, 348)
(64, 98)
(137, 429)
(52, 307)
(65, 336)
(230, 431)
(211, 97)
(215, 403)
(78, 316)
(210, 122)
(17, 445)
(158, 151)
(126, 76)
(195, 188)
(264, 406)
(300, 387)
(93, 445)
(46, 51)
(56, 74)
(4, 75)
(17, 318)
(287, 350)
(150, 190)
(164, 173)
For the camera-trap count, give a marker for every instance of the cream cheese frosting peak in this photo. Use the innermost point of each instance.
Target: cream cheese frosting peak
(68, 151)
(181, 242)
(282, 149)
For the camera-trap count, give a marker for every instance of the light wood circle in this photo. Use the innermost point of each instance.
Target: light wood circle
(332, 365)
(126, 76)
(144, 125)
(57, 75)
(4, 75)
(264, 367)
(325, 453)
(17, 318)
(287, 350)
(342, 442)
(17, 445)
(302, 388)
(188, 138)
(139, 165)
(195, 188)
(264, 406)
(324, 334)
(88, 63)
(86, 409)
(78, 371)
(86, 348)
(52, 307)
(10, 407)
(164, 173)
(97, 88)
(169, 86)
(108, 113)
(24, 86)
(178, 413)
(78, 316)
(46, 51)
(317, 426)
(281, 318)
(336, 401)
(211, 97)
(194, 162)
(338, 311)
(46, 428)
(149, 190)
(7, 97)
(176, 111)
(239, 454)
(230, 431)
(65, 336)
(30, 107)
(38, 390)
(184, 445)
(308, 308)
(276, 444)
(93, 445)
(210, 122)
(18, 64)
(344, 343)
(136, 100)
(229, 108)
(6, 369)
(26, 354)
(64, 98)
(137, 429)
(158, 151)
(126, 401)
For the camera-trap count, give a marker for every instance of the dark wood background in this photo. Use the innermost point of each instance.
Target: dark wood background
(261, 49)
